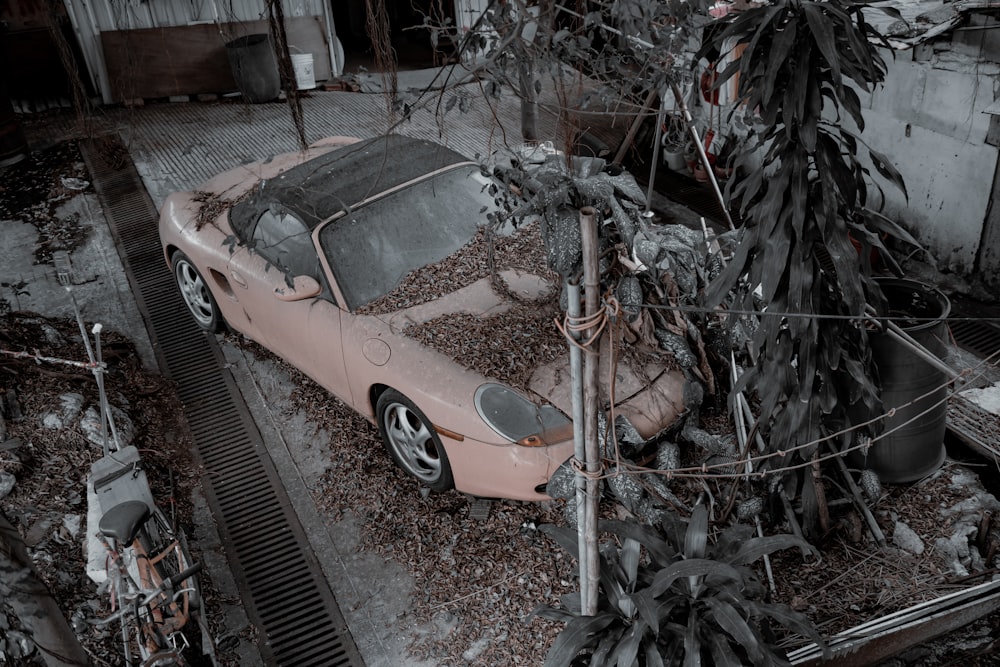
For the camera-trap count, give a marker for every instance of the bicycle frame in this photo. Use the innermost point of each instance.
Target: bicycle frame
(144, 597)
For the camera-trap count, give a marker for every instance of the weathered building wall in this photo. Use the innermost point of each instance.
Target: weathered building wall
(91, 18)
(930, 119)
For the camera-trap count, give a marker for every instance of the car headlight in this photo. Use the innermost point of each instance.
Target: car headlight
(519, 420)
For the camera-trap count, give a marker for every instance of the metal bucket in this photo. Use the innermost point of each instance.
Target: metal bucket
(912, 445)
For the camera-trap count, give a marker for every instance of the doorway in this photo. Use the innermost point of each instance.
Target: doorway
(409, 39)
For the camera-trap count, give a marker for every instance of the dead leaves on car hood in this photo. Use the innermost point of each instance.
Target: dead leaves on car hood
(523, 251)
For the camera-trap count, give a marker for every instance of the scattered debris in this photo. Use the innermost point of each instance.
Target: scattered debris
(32, 191)
(43, 471)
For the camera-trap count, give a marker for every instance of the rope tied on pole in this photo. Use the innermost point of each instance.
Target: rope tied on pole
(580, 468)
(595, 324)
(572, 327)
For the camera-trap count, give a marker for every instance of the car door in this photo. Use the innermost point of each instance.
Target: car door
(280, 250)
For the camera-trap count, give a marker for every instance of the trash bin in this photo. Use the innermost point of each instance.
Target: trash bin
(255, 69)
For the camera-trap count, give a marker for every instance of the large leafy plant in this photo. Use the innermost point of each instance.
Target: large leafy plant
(675, 597)
(802, 190)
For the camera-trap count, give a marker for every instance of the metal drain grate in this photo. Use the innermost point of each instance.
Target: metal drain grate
(977, 428)
(980, 338)
(284, 590)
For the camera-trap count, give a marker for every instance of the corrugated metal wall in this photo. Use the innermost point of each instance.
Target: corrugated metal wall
(135, 14)
(92, 17)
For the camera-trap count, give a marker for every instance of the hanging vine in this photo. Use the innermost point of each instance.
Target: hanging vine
(276, 27)
(380, 33)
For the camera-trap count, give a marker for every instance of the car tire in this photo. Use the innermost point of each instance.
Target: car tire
(197, 297)
(412, 442)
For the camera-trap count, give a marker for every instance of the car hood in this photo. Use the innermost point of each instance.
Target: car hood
(651, 397)
(475, 299)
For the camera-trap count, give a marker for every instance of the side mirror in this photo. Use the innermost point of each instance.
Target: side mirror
(303, 287)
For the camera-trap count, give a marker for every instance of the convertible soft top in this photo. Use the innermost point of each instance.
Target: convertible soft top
(343, 178)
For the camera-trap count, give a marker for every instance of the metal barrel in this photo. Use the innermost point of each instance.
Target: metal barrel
(912, 446)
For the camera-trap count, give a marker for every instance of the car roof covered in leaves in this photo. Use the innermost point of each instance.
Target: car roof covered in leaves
(343, 178)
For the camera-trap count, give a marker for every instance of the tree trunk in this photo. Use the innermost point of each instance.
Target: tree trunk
(31, 601)
(529, 99)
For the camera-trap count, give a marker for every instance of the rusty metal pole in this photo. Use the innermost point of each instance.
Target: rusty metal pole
(591, 361)
(660, 116)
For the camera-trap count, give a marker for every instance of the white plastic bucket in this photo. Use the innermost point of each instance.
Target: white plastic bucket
(305, 73)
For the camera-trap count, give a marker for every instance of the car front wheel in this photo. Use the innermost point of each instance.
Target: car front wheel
(196, 294)
(412, 441)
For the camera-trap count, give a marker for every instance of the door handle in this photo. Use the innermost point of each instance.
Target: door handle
(238, 279)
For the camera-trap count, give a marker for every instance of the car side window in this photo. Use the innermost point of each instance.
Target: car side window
(284, 241)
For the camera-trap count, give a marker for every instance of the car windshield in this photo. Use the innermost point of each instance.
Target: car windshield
(372, 248)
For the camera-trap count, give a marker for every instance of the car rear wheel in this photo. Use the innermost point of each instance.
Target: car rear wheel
(196, 294)
(412, 441)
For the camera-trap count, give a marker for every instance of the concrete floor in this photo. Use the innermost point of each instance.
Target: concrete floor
(176, 146)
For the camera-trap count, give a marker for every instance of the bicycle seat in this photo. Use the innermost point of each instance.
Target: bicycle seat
(123, 521)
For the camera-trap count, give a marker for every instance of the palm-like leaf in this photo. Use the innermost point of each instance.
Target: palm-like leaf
(756, 548)
(564, 537)
(692, 568)
(658, 548)
(791, 619)
(682, 611)
(627, 650)
(578, 635)
(696, 537)
(888, 171)
(730, 620)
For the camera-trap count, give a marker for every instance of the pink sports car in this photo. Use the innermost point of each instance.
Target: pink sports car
(290, 250)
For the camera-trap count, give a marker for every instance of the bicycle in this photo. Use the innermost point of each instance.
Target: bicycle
(151, 582)
(147, 570)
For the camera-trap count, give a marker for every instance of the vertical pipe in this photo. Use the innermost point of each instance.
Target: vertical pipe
(98, 376)
(579, 451)
(701, 152)
(94, 42)
(84, 47)
(656, 158)
(107, 422)
(591, 359)
(331, 35)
